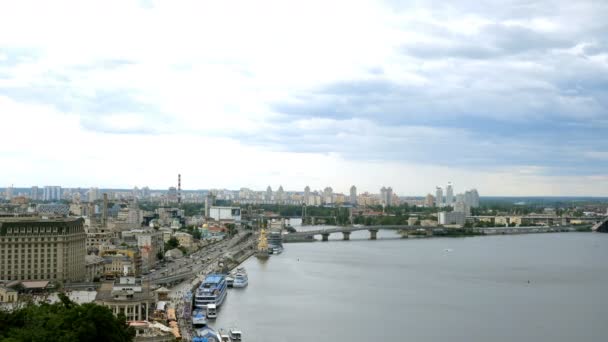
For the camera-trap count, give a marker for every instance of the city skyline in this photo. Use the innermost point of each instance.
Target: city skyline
(505, 97)
(269, 190)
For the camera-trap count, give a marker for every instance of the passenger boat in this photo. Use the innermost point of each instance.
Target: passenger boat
(235, 335)
(275, 242)
(241, 279)
(262, 250)
(206, 334)
(230, 281)
(199, 318)
(224, 337)
(213, 290)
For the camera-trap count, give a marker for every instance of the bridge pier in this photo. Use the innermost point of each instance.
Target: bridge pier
(346, 235)
(372, 234)
(325, 237)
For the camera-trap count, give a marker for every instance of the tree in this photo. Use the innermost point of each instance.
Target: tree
(196, 234)
(172, 243)
(231, 228)
(160, 255)
(64, 321)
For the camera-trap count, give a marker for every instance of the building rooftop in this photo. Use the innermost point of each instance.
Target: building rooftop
(108, 293)
(26, 219)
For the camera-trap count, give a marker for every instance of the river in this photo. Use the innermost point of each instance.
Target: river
(538, 287)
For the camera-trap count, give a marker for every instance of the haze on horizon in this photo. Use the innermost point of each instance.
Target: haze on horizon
(509, 97)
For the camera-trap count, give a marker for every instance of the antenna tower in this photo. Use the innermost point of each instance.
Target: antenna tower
(179, 189)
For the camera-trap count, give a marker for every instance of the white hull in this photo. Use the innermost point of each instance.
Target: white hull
(218, 301)
(241, 284)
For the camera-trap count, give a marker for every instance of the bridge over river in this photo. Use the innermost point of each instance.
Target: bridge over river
(373, 230)
(601, 226)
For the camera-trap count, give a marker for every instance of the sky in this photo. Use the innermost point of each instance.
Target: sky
(506, 96)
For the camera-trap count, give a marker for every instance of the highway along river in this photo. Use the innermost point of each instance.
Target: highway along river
(538, 287)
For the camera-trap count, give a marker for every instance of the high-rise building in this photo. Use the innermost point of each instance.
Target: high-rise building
(453, 217)
(145, 192)
(474, 198)
(34, 193)
(280, 194)
(93, 194)
(386, 196)
(51, 193)
(8, 193)
(42, 249)
(429, 200)
(306, 195)
(470, 198)
(462, 207)
(172, 194)
(449, 195)
(353, 195)
(269, 193)
(328, 194)
(135, 192)
(439, 197)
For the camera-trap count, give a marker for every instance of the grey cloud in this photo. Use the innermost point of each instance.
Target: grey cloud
(493, 41)
(494, 9)
(67, 99)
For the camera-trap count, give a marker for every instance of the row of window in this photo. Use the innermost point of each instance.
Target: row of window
(34, 277)
(34, 230)
(29, 239)
(48, 269)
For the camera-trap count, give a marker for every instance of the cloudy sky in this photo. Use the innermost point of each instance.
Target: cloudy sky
(508, 96)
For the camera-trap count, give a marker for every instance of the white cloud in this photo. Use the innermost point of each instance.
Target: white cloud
(116, 94)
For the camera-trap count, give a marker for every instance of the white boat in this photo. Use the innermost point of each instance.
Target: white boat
(198, 318)
(224, 337)
(211, 311)
(213, 290)
(206, 334)
(240, 280)
(235, 335)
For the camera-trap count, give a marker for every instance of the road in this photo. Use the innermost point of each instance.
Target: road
(197, 265)
(192, 265)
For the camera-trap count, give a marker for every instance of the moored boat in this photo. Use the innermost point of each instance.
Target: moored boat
(206, 334)
(199, 318)
(211, 311)
(213, 290)
(235, 334)
(241, 280)
(224, 337)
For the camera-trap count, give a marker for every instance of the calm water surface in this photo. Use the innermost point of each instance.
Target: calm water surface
(458, 289)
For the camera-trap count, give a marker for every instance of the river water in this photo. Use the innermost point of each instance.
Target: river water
(540, 287)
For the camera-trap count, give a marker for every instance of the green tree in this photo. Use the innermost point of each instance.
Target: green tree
(64, 321)
(196, 233)
(172, 243)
